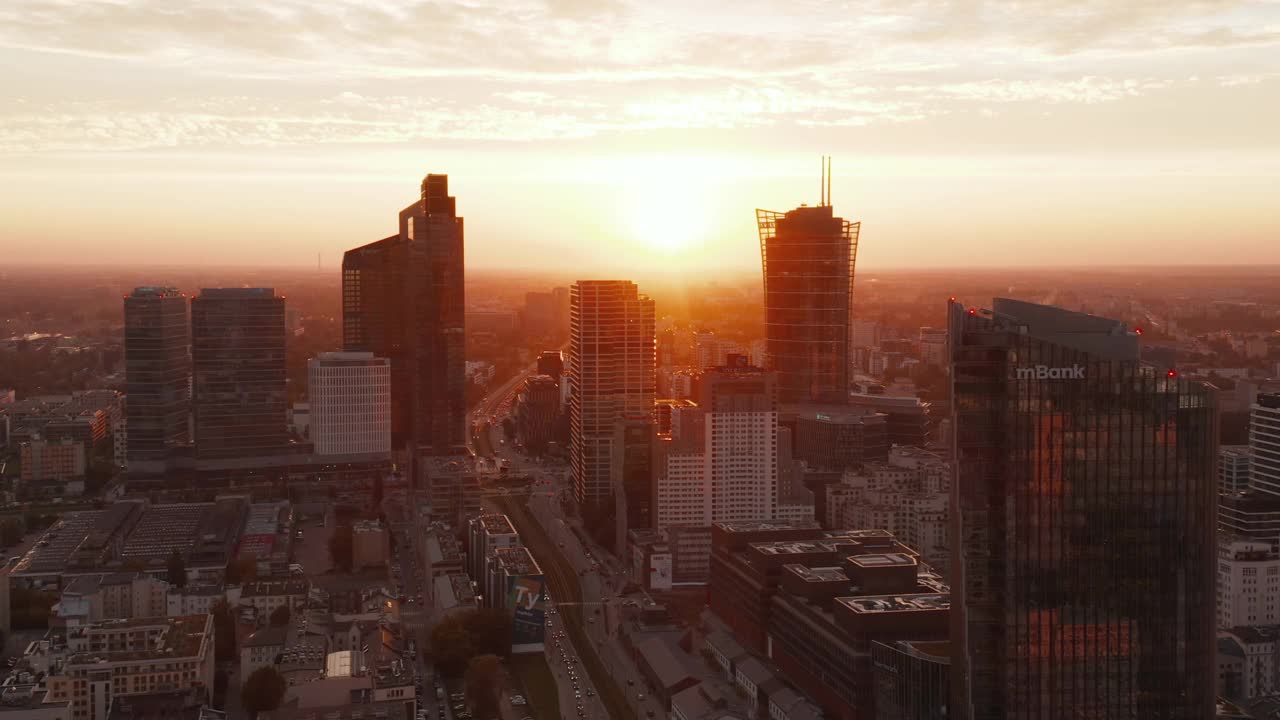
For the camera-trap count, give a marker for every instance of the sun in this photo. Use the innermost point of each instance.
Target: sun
(664, 210)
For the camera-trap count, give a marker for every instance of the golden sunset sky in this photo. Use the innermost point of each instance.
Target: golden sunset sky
(625, 135)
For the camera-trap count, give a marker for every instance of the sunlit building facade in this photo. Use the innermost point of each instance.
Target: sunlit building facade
(1083, 528)
(611, 375)
(808, 257)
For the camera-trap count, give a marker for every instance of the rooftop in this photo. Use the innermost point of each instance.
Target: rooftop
(816, 574)
(516, 561)
(896, 603)
(496, 524)
(882, 560)
(263, 588)
(764, 525)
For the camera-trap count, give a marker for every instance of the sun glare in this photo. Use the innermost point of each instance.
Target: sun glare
(665, 212)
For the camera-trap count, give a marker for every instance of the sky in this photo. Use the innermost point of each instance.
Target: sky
(627, 135)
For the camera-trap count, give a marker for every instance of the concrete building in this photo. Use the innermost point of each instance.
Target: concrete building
(515, 582)
(485, 535)
(89, 599)
(831, 437)
(1233, 469)
(267, 596)
(1248, 583)
(52, 461)
(1249, 662)
(611, 375)
(261, 649)
(350, 397)
(121, 658)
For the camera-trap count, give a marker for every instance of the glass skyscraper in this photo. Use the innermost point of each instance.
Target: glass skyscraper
(808, 257)
(238, 352)
(157, 359)
(1083, 528)
(403, 299)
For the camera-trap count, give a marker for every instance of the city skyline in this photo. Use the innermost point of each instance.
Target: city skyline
(961, 133)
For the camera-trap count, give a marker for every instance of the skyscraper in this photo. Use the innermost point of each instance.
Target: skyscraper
(808, 257)
(1083, 534)
(403, 299)
(1264, 444)
(350, 395)
(611, 375)
(238, 352)
(157, 359)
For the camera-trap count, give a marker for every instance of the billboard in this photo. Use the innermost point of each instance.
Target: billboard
(525, 596)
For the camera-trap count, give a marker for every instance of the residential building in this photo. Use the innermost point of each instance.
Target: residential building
(808, 255)
(611, 376)
(116, 659)
(45, 460)
(157, 359)
(261, 649)
(267, 596)
(1079, 466)
(88, 599)
(350, 399)
(403, 299)
(238, 356)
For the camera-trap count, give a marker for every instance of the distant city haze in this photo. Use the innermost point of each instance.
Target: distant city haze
(627, 137)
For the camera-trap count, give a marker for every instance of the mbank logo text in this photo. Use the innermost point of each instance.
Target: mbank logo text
(1044, 372)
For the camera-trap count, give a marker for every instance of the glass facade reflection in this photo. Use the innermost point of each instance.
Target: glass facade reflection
(1084, 528)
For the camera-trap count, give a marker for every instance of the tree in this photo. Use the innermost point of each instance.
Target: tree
(341, 547)
(10, 532)
(263, 691)
(224, 632)
(489, 630)
(451, 647)
(280, 617)
(177, 569)
(484, 677)
(508, 428)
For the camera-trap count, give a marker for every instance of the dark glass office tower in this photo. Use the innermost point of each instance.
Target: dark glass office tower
(238, 351)
(808, 256)
(157, 359)
(1083, 529)
(403, 299)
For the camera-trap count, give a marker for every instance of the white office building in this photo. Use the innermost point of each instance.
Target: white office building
(1248, 583)
(350, 394)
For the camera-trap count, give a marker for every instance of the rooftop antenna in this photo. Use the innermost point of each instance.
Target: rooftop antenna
(828, 179)
(822, 184)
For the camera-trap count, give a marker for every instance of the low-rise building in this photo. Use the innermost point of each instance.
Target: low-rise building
(267, 596)
(370, 544)
(261, 649)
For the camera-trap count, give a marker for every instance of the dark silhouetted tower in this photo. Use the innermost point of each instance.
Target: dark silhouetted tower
(1083, 527)
(808, 257)
(403, 299)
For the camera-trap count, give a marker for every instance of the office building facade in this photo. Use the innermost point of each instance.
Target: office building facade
(1083, 536)
(238, 354)
(350, 396)
(1264, 444)
(403, 299)
(808, 257)
(611, 375)
(157, 361)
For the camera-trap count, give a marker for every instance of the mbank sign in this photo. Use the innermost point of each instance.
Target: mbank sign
(1044, 372)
